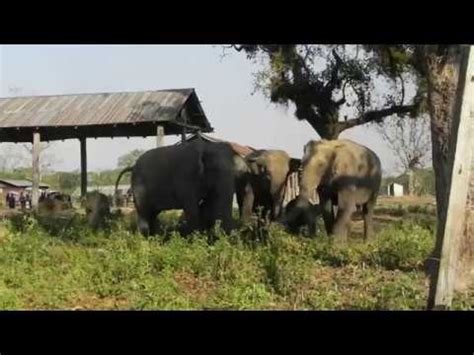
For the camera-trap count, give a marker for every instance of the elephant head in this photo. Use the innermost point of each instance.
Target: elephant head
(267, 177)
(300, 212)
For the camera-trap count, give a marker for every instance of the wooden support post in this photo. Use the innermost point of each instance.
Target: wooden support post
(83, 166)
(36, 169)
(442, 291)
(160, 136)
(183, 134)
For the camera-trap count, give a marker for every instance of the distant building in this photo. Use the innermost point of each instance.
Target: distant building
(395, 189)
(18, 186)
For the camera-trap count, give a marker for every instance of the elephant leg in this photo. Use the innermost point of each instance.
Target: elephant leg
(192, 214)
(311, 222)
(153, 223)
(346, 207)
(222, 210)
(226, 220)
(245, 199)
(368, 213)
(143, 225)
(328, 213)
(277, 204)
(267, 209)
(203, 216)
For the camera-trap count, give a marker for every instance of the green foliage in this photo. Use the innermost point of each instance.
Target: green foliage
(120, 269)
(402, 247)
(105, 177)
(129, 158)
(425, 182)
(321, 79)
(68, 181)
(18, 174)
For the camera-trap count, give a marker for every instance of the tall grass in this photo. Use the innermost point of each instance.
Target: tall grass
(72, 267)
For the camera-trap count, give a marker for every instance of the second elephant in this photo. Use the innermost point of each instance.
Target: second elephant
(268, 171)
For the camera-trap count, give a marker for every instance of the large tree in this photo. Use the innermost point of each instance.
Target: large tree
(129, 159)
(47, 156)
(322, 81)
(437, 70)
(11, 158)
(290, 75)
(68, 181)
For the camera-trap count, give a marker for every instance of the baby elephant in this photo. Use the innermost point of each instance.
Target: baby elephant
(97, 207)
(296, 216)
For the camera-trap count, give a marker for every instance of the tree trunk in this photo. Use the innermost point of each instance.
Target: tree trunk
(443, 90)
(327, 129)
(465, 275)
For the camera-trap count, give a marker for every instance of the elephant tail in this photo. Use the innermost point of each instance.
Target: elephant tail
(126, 170)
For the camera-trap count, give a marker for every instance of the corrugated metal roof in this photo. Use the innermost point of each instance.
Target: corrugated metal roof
(21, 183)
(92, 109)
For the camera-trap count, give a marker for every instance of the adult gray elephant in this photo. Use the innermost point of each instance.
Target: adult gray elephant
(196, 176)
(97, 207)
(345, 174)
(268, 171)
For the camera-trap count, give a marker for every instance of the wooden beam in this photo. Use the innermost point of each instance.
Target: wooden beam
(441, 293)
(189, 126)
(83, 166)
(183, 134)
(183, 118)
(36, 169)
(160, 136)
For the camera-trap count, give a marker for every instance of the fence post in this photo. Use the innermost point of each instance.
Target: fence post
(36, 169)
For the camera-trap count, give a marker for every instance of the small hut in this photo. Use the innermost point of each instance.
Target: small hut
(395, 189)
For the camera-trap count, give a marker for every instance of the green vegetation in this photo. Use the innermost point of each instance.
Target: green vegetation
(68, 182)
(424, 178)
(129, 158)
(70, 267)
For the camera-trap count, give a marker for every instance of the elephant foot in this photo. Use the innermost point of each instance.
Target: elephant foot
(339, 236)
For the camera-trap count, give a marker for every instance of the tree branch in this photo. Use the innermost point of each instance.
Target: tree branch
(403, 88)
(375, 116)
(334, 80)
(342, 101)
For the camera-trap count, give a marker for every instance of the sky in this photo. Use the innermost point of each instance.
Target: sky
(223, 84)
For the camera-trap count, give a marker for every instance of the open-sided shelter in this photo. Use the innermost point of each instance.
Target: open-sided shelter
(81, 116)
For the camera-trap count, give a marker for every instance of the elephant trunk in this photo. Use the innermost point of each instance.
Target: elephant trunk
(309, 181)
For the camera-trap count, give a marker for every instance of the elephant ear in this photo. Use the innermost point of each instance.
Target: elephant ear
(295, 164)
